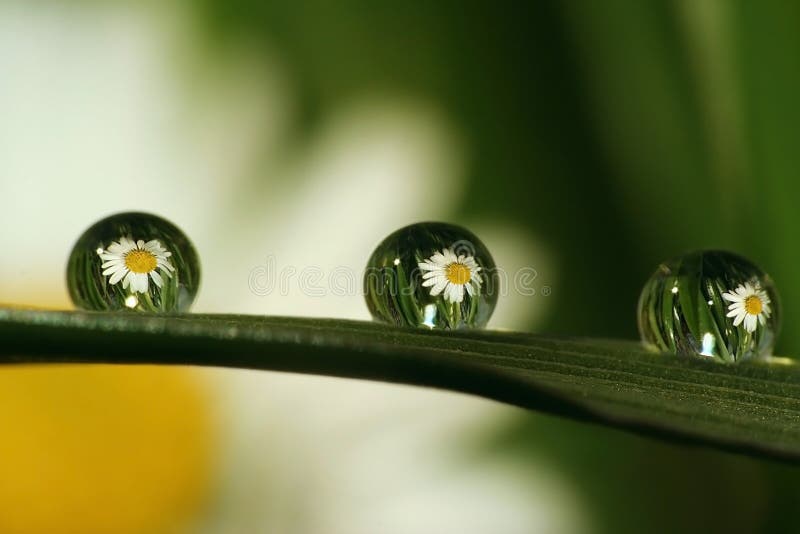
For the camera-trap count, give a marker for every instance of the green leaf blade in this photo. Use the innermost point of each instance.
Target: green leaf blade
(749, 408)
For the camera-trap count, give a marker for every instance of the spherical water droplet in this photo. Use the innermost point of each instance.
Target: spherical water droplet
(712, 303)
(431, 275)
(133, 261)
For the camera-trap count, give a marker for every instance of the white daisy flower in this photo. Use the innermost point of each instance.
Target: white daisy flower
(451, 274)
(750, 304)
(132, 261)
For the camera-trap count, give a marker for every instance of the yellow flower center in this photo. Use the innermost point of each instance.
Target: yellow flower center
(140, 261)
(753, 305)
(458, 273)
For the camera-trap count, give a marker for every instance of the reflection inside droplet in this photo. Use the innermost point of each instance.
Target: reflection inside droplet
(712, 303)
(133, 261)
(431, 275)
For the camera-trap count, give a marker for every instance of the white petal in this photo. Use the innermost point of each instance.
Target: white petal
(434, 281)
(750, 323)
(735, 312)
(470, 289)
(732, 297)
(157, 280)
(125, 245)
(127, 281)
(739, 318)
(476, 287)
(113, 269)
(762, 319)
(737, 306)
(456, 292)
(741, 290)
(438, 288)
(117, 276)
(140, 283)
(447, 296)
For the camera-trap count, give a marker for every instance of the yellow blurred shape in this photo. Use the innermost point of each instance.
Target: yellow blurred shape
(102, 449)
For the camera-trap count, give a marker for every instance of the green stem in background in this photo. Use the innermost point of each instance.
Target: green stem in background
(750, 408)
(404, 298)
(150, 304)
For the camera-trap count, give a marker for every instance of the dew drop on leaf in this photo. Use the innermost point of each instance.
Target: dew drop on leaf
(431, 275)
(133, 261)
(710, 303)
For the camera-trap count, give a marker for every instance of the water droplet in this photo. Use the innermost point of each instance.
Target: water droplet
(431, 275)
(712, 303)
(133, 261)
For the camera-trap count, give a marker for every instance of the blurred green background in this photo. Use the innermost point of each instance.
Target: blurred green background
(622, 133)
(612, 134)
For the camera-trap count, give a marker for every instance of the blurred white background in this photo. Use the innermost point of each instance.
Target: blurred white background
(127, 106)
